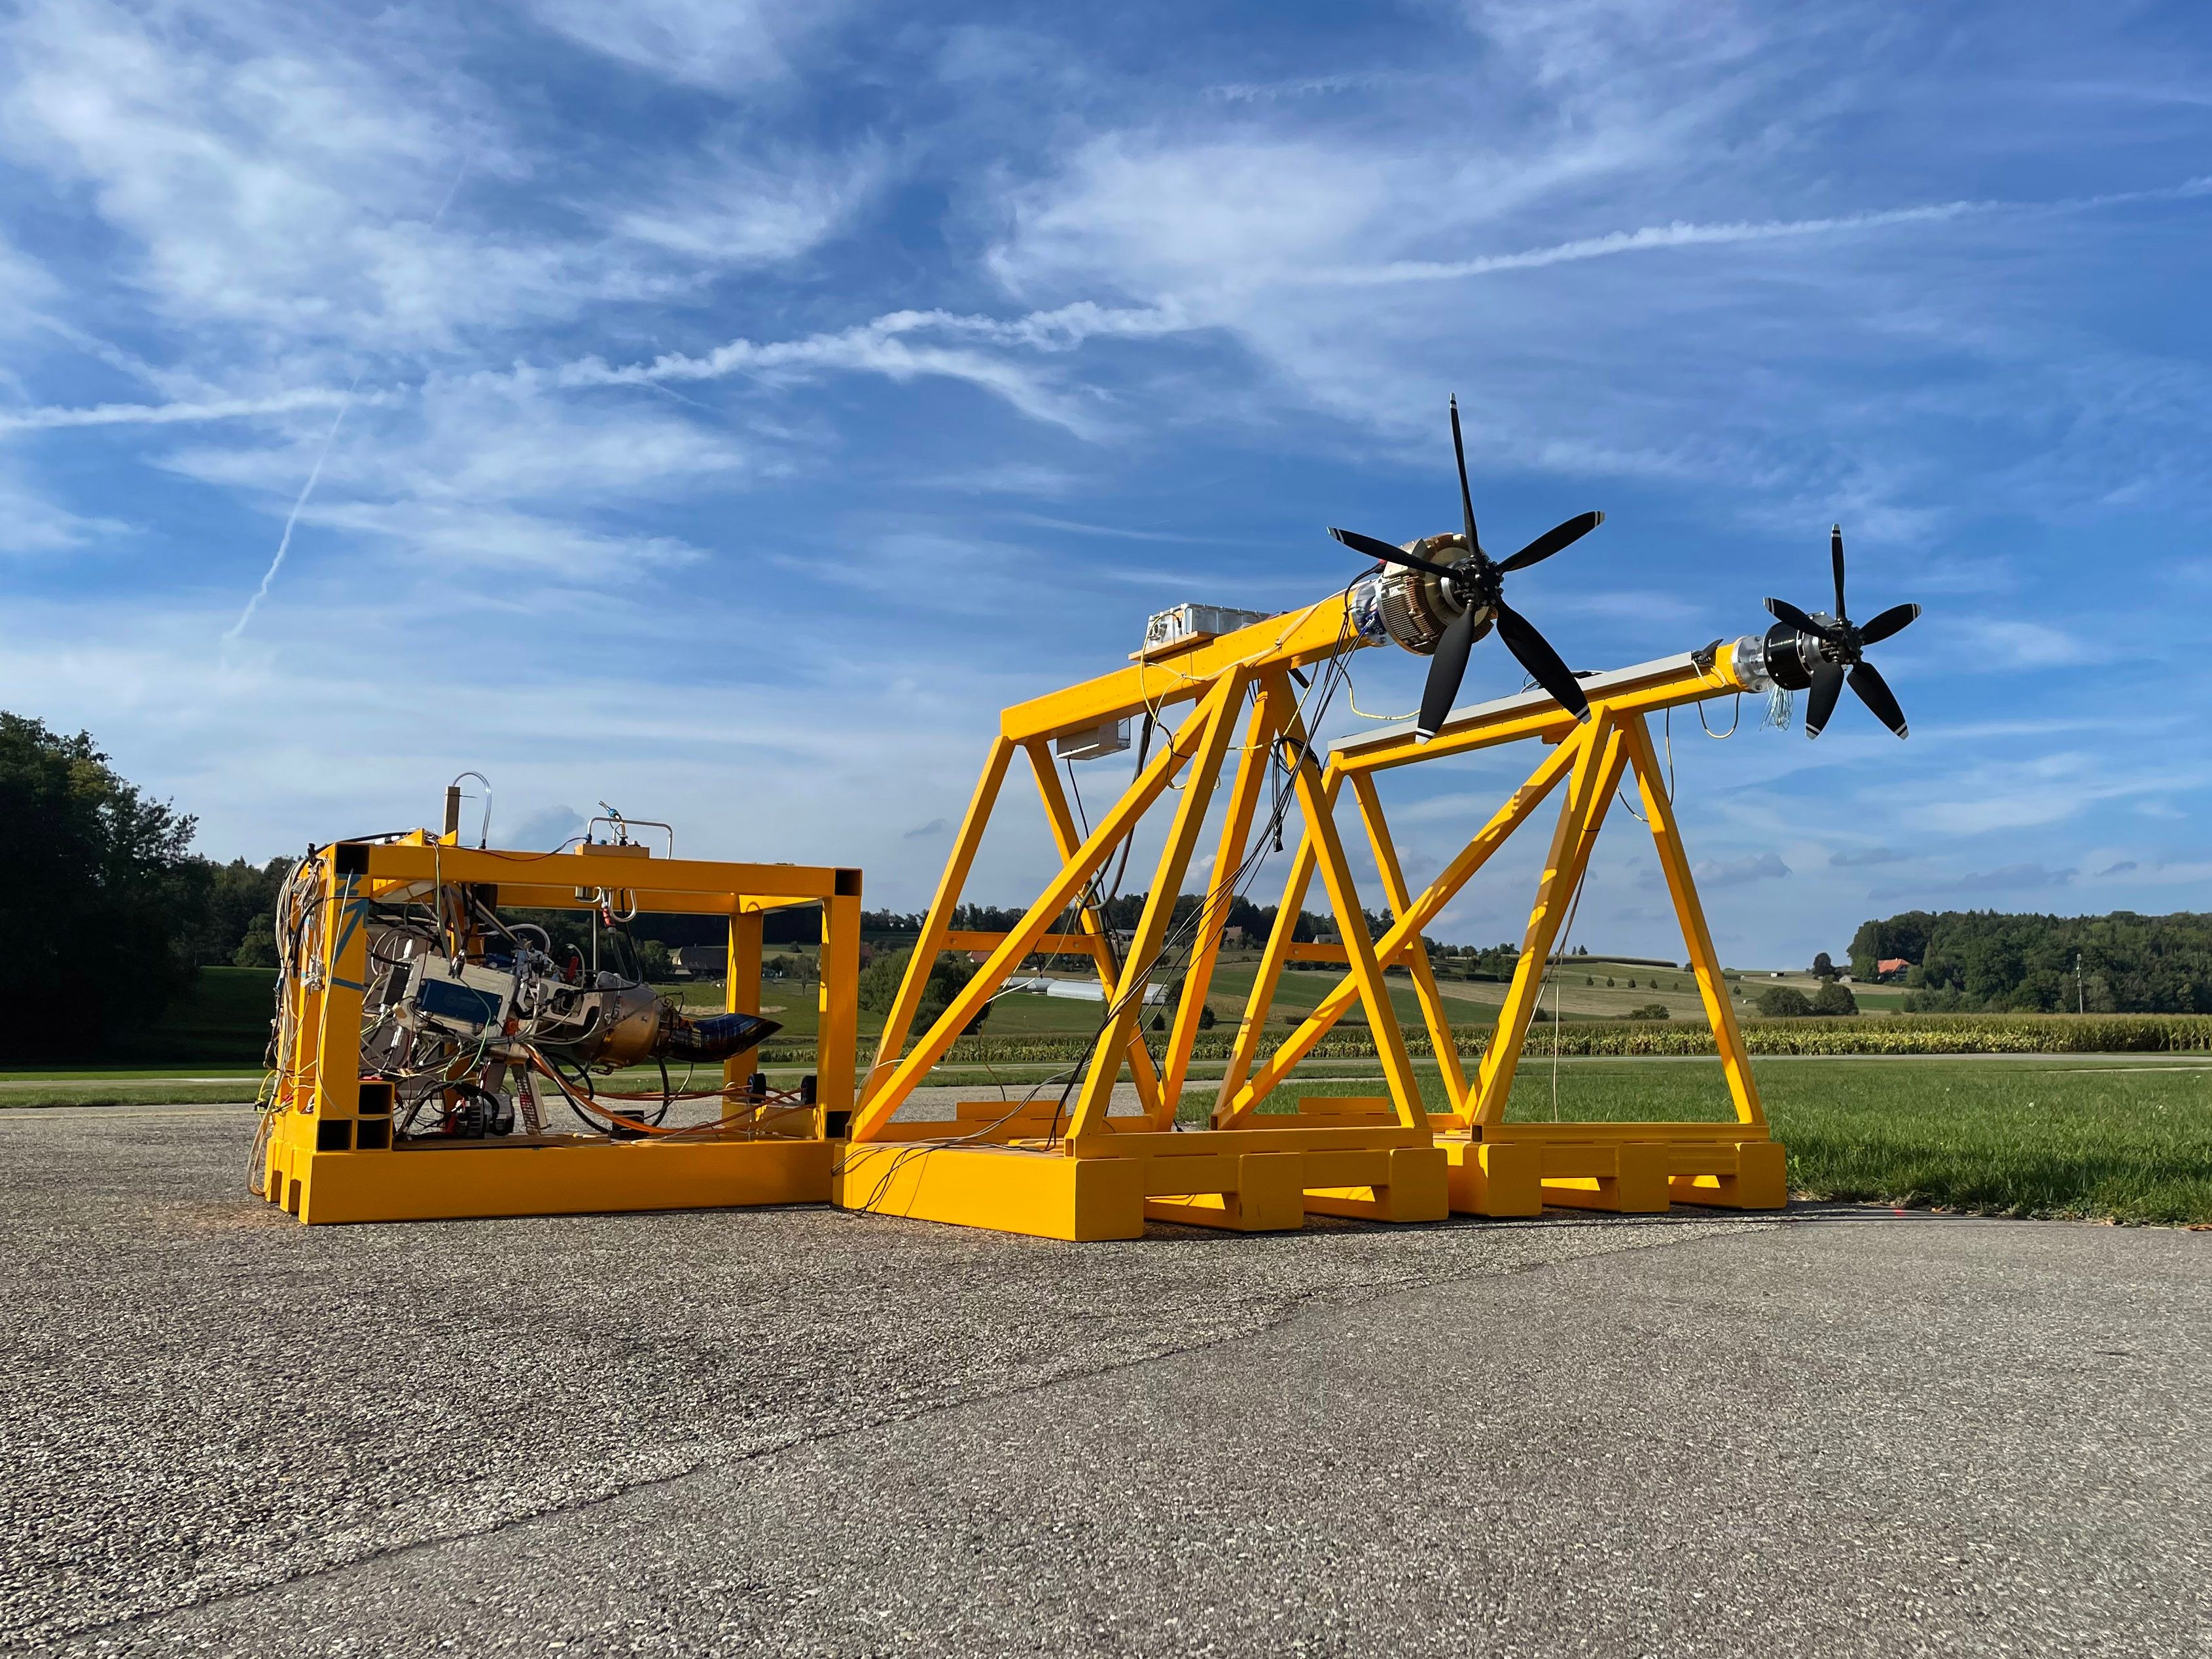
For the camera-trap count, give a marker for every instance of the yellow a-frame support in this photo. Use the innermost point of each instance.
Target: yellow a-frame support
(1083, 1173)
(1515, 1169)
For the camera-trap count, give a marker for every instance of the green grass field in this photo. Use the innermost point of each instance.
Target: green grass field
(2091, 1136)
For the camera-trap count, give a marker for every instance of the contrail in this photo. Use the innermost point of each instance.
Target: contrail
(51, 417)
(1685, 233)
(284, 542)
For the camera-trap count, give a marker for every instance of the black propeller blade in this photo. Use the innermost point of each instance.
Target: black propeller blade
(1446, 669)
(1387, 554)
(1782, 610)
(1474, 582)
(1888, 623)
(1535, 654)
(1873, 691)
(1559, 536)
(1827, 686)
(1466, 500)
(1827, 653)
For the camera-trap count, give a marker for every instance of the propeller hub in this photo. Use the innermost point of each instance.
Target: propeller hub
(1475, 583)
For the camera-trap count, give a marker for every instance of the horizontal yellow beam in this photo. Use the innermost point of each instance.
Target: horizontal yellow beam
(1290, 640)
(1667, 682)
(787, 882)
(1072, 944)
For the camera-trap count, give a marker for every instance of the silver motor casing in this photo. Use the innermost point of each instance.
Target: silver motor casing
(1413, 608)
(616, 1022)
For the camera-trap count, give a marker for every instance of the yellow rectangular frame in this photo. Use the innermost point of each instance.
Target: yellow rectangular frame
(321, 1167)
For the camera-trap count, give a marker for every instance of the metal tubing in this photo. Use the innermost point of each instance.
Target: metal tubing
(1099, 943)
(1351, 922)
(1125, 1018)
(899, 1020)
(1433, 898)
(1416, 953)
(1228, 860)
(1712, 985)
(1590, 791)
(887, 1098)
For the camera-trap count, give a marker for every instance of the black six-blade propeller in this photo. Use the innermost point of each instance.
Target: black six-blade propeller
(1829, 652)
(1475, 583)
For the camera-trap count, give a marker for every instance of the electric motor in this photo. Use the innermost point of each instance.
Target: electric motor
(1413, 608)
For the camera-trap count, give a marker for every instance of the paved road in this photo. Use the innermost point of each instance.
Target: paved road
(798, 1432)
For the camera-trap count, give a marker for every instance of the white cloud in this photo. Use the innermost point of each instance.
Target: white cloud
(1737, 873)
(31, 523)
(723, 44)
(2027, 644)
(726, 208)
(2023, 794)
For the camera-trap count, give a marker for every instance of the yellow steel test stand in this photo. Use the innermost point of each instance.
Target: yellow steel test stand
(330, 1154)
(1087, 1174)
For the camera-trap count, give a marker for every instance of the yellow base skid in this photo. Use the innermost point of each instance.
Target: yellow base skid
(452, 1182)
(1249, 1181)
(1628, 1169)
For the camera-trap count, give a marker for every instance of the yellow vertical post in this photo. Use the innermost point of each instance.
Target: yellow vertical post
(1124, 1016)
(1087, 917)
(741, 989)
(1220, 889)
(938, 922)
(1589, 790)
(1318, 807)
(1417, 952)
(1268, 977)
(345, 971)
(1712, 985)
(838, 1033)
(301, 1061)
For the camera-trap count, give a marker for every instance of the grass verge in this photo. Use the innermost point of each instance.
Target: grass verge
(2127, 1142)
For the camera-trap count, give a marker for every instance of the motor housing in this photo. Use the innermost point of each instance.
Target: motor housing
(1413, 608)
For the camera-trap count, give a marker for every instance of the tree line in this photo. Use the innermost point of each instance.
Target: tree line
(1988, 960)
(106, 909)
(1123, 912)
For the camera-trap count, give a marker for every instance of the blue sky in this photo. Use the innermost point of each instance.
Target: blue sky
(722, 410)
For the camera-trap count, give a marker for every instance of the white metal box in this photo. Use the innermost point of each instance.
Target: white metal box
(1189, 622)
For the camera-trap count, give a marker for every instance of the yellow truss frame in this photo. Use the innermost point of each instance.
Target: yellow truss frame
(1097, 1175)
(329, 1153)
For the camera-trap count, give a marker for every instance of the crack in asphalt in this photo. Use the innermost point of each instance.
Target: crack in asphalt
(1288, 1311)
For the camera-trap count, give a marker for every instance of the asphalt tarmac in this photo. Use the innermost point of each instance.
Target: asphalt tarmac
(799, 1431)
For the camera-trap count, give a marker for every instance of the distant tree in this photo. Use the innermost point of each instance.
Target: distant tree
(1609, 978)
(1650, 1011)
(654, 958)
(95, 892)
(1207, 1020)
(1988, 960)
(1823, 967)
(1784, 1002)
(1904, 935)
(879, 984)
(1834, 997)
(228, 911)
